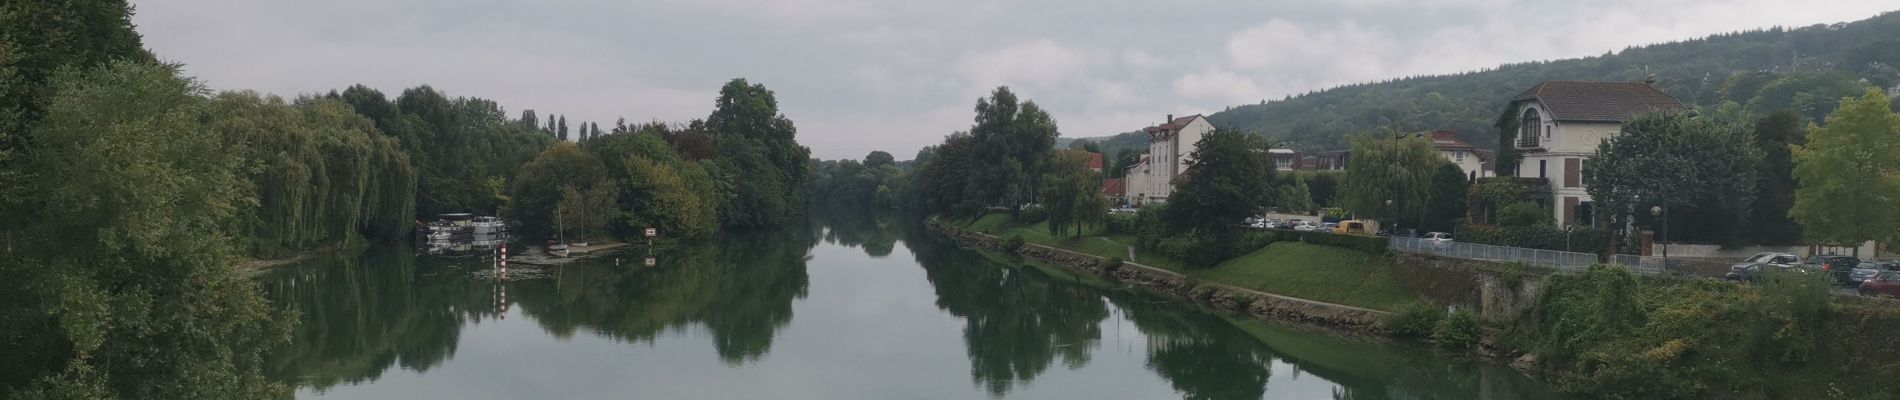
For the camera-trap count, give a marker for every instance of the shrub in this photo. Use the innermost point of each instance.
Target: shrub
(1523, 214)
(1460, 329)
(1033, 215)
(1012, 243)
(1416, 320)
(1122, 224)
(1113, 263)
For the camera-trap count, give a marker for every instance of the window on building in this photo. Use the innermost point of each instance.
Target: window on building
(1459, 155)
(1573, 174)
(1542, 167)
(1529, 128)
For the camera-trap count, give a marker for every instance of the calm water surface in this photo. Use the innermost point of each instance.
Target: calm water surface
(849, 307)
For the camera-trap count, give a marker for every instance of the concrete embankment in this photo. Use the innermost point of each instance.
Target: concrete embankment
(1261, 305)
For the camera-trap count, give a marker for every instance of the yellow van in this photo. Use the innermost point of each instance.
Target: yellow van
(1353, 227)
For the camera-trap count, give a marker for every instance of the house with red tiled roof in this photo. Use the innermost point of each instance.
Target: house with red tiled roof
(1560, 123)
(1113, 189)
(1095, 162)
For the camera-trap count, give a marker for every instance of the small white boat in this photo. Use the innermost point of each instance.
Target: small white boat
(557, 247)
(578, 244)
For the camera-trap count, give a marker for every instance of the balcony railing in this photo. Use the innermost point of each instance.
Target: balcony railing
(1529, 140)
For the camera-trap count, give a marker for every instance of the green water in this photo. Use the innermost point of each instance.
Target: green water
(848, 307)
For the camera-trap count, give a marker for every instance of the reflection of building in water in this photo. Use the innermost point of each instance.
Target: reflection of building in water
(461, 234)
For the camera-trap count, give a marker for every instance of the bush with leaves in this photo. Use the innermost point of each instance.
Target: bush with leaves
(1460, 329)
(1012, 243)
(1417, 320)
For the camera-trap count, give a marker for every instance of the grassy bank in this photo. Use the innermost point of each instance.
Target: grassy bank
(1292, 269)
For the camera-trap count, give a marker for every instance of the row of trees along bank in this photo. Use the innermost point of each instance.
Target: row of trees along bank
(132, 191)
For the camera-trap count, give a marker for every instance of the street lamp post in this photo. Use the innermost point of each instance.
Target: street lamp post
(1662, 214)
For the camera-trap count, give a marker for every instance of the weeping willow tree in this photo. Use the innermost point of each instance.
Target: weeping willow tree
(320, 173)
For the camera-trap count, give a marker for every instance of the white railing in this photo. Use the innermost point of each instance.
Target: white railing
(1563, 261)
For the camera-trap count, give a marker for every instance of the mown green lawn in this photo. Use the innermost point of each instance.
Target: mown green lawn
(1314, 272)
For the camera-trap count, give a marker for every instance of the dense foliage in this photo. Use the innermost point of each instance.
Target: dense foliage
(1228, 179)
(1849, 174)
(1753, 68)
(1700, 170)
(1071, 193)
(321, 174)
(1768, 222)
(759, 151)
(999, 162)
(119, 282)
(1609, 334)
(465, 150)
(1390, 178)
(875, 182)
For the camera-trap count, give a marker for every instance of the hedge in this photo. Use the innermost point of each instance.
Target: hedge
(1547, 237)
(1369, 244)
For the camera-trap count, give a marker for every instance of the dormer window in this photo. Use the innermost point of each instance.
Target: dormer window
(1530, 128)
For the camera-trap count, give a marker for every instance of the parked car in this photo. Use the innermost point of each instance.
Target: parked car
(1329, 227)
(1886, 284)
(1351, 227)
(1438, 238)
(1304, 225)
(1871, 268)
(1842, 267)
(1780, 259)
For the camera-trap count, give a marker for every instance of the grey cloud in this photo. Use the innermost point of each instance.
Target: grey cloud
(896, 75)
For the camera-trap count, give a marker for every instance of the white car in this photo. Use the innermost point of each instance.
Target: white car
(1438, 238)
(1304, 226)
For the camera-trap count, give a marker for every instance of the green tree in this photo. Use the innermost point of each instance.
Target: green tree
(879, 159)
(1390, 177)
(1849, 174)
(1012, 142)
(759, 145)
(538, 189)
(1700, 169)
(1775, 136)
(657, 188)
(1449, 186)
(322, 175)
(586, 212)
(1228, 179)
(1072, 193)
(529, 119)
(120, 283)
(1293, 195)
(561, 132)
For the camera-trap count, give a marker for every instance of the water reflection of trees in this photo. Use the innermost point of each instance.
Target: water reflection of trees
(1016, 322)
(877, 233)
(362, 314)
(1197, 352)
(740, 289)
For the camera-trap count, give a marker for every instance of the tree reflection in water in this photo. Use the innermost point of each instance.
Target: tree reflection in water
(364, 314)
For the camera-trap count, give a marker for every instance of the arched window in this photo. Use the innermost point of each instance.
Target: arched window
(1529, 128)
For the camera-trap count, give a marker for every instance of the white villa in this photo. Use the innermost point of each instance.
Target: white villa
(1170, 147)
(1562, 122)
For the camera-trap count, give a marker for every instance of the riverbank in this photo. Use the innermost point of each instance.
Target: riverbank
(1230, 296)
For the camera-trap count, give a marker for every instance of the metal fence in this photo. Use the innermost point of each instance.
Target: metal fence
(1559, 260)
(1562, 261)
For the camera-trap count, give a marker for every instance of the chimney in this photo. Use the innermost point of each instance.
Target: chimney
(1170, 120)
(1651, 80)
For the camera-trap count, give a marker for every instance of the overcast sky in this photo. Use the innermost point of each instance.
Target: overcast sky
(895, 75)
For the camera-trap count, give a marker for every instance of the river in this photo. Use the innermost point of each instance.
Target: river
(846, 307)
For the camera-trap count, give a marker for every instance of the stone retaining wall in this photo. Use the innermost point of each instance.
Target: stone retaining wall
(1265, 306)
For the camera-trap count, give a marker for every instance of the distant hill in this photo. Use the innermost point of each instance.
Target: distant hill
(1808, 69)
